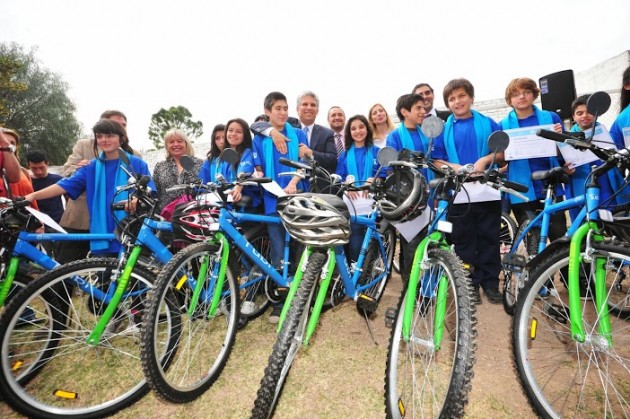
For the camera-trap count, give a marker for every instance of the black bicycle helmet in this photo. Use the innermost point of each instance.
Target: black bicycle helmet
(194, 221)
(406, 195)
(316, 219)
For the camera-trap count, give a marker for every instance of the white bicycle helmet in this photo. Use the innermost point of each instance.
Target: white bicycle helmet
(316, 219)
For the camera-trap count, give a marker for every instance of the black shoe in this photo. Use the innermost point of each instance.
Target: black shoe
(274, 317)
(494, 295)
(475, 296)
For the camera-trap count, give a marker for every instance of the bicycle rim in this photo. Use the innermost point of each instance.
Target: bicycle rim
(254, 293)
(289, 340)
(514, 281)
(420, 380)
(562, 377)
(204, 341)
(51, 371)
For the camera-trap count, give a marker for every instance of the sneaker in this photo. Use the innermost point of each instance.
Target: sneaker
(248, 308)
(476, 296)
(494, 295)
(274, 317)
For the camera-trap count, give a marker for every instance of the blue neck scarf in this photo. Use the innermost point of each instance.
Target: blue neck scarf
(368, 164)
(292, 151)
(407, 141)
(519, 170)
(100, 206)
(483, 129)
(214, 168)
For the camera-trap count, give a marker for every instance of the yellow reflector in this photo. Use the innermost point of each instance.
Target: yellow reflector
(532, 329)
(401, 408)
(65, 394)
(17, 365)
(181, 282)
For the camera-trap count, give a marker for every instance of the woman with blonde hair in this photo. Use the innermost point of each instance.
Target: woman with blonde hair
(381, 124)
(170, 172)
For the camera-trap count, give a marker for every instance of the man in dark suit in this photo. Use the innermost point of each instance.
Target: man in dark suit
(426, 91)
(321, 140)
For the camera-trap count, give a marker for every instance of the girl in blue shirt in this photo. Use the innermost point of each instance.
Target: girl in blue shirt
(359, 161)
(99, 179)
(217, 144)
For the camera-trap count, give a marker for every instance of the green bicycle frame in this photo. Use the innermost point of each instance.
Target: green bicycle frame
(420, 257)
(599, 265)
(121, 287)
(295, 284)
(5, 285)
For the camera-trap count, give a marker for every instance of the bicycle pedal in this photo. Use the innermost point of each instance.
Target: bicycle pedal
(513, 262)
(390, 317)
(367, 304)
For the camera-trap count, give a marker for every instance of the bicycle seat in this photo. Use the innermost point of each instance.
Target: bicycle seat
(553, 176)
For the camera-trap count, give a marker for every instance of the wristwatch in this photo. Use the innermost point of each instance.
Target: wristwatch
(10, 148)
(469, 168)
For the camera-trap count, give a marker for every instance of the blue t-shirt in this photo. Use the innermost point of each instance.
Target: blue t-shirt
(245, 165)
(270, 200)
(465, 139)
(616, 129)
(393, 140)
(206, 171)
(51, 206)
(83, 181)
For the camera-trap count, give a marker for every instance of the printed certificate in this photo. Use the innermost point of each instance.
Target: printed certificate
(525, 144)
(577, 157)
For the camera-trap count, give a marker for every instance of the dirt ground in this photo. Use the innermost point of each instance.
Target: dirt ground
(341, 373)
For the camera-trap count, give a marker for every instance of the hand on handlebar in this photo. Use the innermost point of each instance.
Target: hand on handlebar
(305, 152)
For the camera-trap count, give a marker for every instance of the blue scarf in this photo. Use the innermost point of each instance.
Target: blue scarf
(519, 170)
(483, 129)
(100, 206)
(214, 168)
(292, 151)
(407, 141)
(368, 164)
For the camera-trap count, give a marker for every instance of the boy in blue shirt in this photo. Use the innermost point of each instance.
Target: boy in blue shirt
(476, 219)
(266, 162)
(410, 110)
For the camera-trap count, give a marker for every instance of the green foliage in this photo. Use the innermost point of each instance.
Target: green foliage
(34, 102)
(175, 117)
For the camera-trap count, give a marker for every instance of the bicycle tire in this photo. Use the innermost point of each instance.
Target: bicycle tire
(421, 381)
(249, 270)
(396, 260)
(508, 232)
(562, 377)
(373, 266)
(389, 237)
(104, 378)
(289, 340)
(203, 343)
(513, 282)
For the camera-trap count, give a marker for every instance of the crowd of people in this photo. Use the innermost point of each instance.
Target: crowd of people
(348, 147)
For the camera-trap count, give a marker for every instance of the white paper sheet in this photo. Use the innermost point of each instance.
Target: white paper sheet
(274, 188)
(525, 144)
(46, 220)
(410, 229)
(477, 192)
(359, 206)
(577, 157)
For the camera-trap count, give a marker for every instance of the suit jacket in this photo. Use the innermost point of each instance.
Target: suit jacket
(76, 215)
(443, 115)
(323, 145)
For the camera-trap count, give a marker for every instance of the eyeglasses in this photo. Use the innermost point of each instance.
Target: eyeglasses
(525, 92)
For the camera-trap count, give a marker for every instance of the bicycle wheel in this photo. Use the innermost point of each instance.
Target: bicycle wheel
(374, 265)
(289, 340)
(422, 379)
(562, 377)
(48, 369)
(513, 281)
(204, 342)
(390, 238)
(508, 232)
(396, 260)
(253, 298)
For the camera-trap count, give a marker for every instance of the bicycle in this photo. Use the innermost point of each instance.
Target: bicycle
(570, 348)
(86, 323)
(432, 347)
(322, 224)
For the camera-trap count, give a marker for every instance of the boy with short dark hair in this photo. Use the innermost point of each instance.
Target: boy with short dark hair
(476, 219)
(266, 161)
(408, 135)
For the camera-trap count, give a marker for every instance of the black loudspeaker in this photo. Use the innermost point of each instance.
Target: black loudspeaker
(557, 92)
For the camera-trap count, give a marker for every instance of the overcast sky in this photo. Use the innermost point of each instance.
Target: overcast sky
(220, 58)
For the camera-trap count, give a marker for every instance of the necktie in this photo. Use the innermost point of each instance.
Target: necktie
(308, 140)
(339, 144)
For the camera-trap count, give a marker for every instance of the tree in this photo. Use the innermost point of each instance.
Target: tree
(34, 102)
(175, 117)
